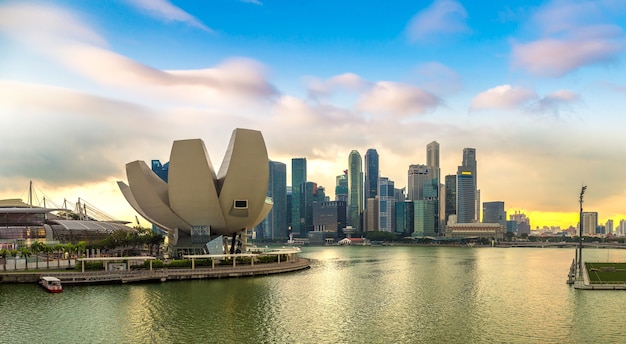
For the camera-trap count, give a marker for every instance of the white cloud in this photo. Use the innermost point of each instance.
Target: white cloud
(572, 35)
(394, 98)
(438, 78)
(164, 10)
(348, 81)
(441, 17)
(507, 97)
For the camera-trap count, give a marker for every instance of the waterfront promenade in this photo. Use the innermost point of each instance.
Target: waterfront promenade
(70, 277)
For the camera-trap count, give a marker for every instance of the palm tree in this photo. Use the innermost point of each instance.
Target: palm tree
(3, 254)
(37, 247)
(69, 248)
(80, 247)
(48, 249)
(13, 253)
(58, 248)
(25, 252)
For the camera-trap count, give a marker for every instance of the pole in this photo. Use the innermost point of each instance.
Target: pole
(579, 255)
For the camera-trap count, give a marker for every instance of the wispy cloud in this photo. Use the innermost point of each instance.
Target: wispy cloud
(318, 88)
(166, 11)
(394, 98)
(573, 34)
(442, 17)
(508, 97)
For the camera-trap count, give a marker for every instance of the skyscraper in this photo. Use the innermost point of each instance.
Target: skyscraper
(277, 218)
(417, 176)
(341, 187)
(590, 222)
(450, 198)
(493, 212)
(160, 170)
(371, 173)
(432, 159)
(387, 205)
(355, 185)
(465, 195)
(469, 161)
(298, 178)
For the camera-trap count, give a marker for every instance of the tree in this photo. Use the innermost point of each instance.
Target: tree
(25, 252)
(58, 248)
(80, 247)
(509, 236)
(14, 253)
(48, 249)
(37, 247)
(68, 248)
(4, 253)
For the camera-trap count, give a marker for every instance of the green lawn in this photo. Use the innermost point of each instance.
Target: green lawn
(607, 273)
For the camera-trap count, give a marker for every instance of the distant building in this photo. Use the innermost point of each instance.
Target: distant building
(424, 218)
(274, 226)
(476, 230)
(329, 216)
(298, 178)
(493, 212)
(432, 159)
(465, 195)
(470, 164)
(590, 222)
(355, 189)
(371, 173)
(418, 175)
(386, 205)
(160, 170)
(405, 217)
(370, 215)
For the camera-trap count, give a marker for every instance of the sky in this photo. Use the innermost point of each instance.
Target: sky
(538, 88)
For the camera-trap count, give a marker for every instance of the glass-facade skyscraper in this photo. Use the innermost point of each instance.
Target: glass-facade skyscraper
(355, 189)
(387, 205)
(298, 178)
(465, 195)
(493, 212)
(276, 221)
(469, 162)
(450, 202)
(371, 173)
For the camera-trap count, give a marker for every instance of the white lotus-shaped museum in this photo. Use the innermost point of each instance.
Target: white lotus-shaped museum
(196, 202)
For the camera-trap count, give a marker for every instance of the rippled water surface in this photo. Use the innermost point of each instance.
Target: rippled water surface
(350, 295)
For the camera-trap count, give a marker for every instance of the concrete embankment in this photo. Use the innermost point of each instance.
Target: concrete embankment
(96, 277)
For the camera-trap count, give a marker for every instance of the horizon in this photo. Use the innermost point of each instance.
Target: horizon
(536, 87)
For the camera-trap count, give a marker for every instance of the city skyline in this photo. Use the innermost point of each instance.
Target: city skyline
(536, 87)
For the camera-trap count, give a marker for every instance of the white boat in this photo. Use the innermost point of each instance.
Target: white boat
(51, 284)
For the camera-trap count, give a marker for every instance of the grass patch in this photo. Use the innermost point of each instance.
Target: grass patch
(606, 273)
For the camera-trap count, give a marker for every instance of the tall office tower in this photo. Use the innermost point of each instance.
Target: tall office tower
(493, 212)
(405, 217)
(590, 222)
(424, 218)
(398, 195)
(289, 207)
(622, 227)
(432, 159)
(418, 175)
(355, 189)
(523, 222)
(160, 170)
(450, 197)
(298, 178)
(310, 195)
(371, 174)
(469, 161)
(276, 220)
(370, 215)
(341, 187)
(387, 205)
(609, 227)
(465, 195)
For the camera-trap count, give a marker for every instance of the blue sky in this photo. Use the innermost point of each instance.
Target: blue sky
(537, 87)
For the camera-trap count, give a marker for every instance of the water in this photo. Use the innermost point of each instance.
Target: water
(350, 295)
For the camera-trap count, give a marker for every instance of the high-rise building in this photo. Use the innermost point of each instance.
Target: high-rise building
(404, 217)
(450, 197)
(298, 178)
(387, 206)
(355, 189)
(469, 161)
(160, 170)
(493, 212)
(609, 227)
(370, 215)
(465, 195)
(276, 220)
(310, 195)
(432, 159)
(417, 176)
(341, 187)
(523, 222)
(590, 222)
(371, 173)
(424, 218)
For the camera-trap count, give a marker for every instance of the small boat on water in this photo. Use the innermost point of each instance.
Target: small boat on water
(51, 284)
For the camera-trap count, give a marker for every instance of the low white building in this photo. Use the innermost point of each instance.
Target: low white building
(477, 229)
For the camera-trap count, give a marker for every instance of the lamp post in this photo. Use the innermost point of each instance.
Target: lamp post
(579, 255)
